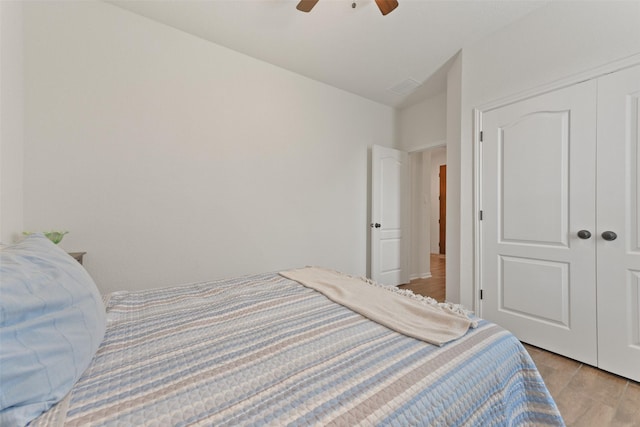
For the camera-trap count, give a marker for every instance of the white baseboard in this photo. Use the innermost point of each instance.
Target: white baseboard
(420, 276)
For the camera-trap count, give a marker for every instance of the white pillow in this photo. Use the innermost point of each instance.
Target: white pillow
(52, 321)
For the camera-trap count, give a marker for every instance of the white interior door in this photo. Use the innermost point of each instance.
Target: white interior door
(538, 191)
(618, 273)
(389, 216)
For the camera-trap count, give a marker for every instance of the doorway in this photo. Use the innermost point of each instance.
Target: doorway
(428, 222)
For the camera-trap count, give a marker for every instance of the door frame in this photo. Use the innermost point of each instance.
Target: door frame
(442, 221)
(594, 73)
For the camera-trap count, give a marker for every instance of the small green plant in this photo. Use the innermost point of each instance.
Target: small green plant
(54, 236)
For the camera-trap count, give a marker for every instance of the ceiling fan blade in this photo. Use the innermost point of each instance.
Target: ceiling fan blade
(306, 5)
(386, 6)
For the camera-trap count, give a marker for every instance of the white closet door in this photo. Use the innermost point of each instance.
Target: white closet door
(618, 274)
(538, 191)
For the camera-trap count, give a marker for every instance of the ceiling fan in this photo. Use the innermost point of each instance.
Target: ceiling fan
(385, 6)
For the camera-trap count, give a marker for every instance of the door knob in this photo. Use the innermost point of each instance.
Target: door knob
(609, 235)
(376, 225)
(584, 234)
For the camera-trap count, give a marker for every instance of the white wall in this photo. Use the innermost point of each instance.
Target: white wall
(423, 125)
(454, 120)
(556, 41)
(171, 159)
(438, 158)
(11, 121)
(420, 216)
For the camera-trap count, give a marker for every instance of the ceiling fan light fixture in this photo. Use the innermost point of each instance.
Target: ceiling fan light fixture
(385, 6)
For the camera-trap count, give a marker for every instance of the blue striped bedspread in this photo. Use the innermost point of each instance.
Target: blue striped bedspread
(264, 350)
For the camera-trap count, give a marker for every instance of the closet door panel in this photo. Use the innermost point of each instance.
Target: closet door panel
(618, 210)
(538, 191)
(535, 149)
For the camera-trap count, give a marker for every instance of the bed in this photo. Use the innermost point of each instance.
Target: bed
(268, 350)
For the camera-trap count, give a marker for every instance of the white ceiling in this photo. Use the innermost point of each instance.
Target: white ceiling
(357, 50)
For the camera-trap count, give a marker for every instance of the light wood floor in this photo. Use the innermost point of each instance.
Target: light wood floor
(586, 396)
(434, 286)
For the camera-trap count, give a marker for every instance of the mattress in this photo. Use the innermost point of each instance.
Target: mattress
(265, 350)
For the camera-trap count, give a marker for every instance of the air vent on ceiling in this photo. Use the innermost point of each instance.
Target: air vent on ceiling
(405, 87)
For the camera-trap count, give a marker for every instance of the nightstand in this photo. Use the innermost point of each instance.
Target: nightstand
(77, 256)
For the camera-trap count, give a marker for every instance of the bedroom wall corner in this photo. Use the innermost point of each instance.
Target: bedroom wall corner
(11, 120)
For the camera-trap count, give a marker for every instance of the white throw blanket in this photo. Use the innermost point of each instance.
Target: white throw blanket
(416, 317)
